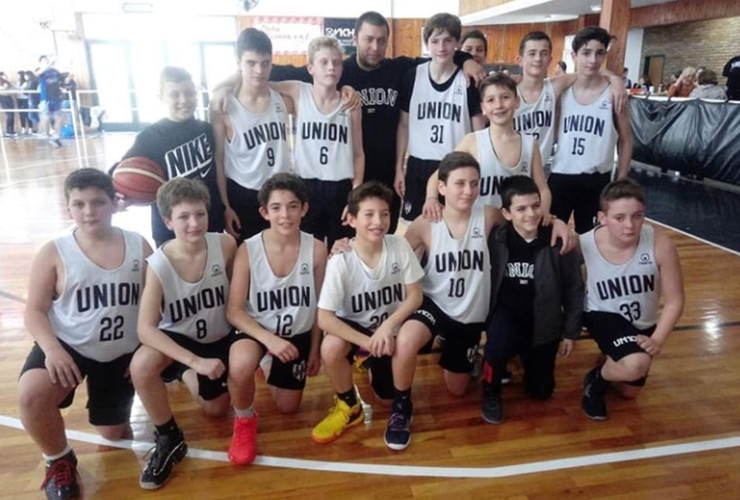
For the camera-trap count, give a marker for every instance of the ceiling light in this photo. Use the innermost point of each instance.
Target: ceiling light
(596, 8)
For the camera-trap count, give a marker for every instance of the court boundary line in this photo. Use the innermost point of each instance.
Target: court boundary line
(424, 471)
(698, 238)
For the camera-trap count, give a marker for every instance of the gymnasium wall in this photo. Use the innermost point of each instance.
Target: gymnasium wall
(709, 43)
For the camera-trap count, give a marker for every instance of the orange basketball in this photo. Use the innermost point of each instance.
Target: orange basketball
(138, 178)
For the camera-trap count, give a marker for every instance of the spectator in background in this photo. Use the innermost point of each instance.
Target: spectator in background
(50, 95)
(645, 83)
(626, 78)
(708, 88)
(33, 98)
(69, 85)
(21, 101)
(685, 83)
(732, 72)
(474, 43)
(561, 68)
(7, 102)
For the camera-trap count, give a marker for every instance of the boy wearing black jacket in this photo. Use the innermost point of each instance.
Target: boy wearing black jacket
(536, 298)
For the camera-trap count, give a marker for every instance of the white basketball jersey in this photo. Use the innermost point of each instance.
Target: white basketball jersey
(493, 171)
(368, 296)
(196, 310)
(538, 119)
(457, 276)
(437, 120)
(323, 146)
(259, 147)
(587, 136)
(631, 289)
(97, 311)
(283, 305)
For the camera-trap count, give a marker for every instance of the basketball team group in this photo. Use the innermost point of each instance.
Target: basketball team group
(278, 252)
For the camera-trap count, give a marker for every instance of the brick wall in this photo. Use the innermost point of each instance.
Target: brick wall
(709, 43)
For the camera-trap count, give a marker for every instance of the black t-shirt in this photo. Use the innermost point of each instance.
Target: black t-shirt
(732, 72)
(517, 288)
(379, 89)
(181, 149)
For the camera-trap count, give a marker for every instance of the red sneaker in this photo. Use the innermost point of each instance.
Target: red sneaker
(243, 447)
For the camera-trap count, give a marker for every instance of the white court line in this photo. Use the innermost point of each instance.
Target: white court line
(710, 243)
(51, 162)
(423, 471)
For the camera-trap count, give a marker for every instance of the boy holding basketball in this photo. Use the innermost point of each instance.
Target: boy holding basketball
(181, 145)
(368, 293)
(275, 286)
(185, 333)
(328, 150)
(80, 330)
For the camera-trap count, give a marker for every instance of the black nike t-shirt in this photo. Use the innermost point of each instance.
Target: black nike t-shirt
(181, 149)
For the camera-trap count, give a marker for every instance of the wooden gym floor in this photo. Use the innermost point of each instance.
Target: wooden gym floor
(678, 440)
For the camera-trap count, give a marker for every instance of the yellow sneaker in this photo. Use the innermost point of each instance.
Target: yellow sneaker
(340, 417)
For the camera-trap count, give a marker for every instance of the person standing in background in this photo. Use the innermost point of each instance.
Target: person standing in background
(732, 72)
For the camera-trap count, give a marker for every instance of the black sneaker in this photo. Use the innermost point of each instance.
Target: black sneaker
(592, 402)
(398, 432)
(60, 482)
(492, 409)
(166, 453)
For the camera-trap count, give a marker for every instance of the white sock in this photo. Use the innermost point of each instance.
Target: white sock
(248, 413)
(50, 458)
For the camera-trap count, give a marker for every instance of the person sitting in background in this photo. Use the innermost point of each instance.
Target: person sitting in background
(708, 88)
(626, 78)
(685, 83)
(644, 83)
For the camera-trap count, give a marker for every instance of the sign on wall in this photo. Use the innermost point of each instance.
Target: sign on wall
(344, 31)
(290, 35)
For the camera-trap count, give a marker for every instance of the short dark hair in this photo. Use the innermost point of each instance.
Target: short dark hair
(453, 161)
(179, 190)
(477, 35)
(517, 185)
(534, 36)
(563, 66)
(591, 33)
(370, 189)
(173, 74)
(253, 40)
(442, 22)
(84, 178)
(498, 80)
(283, 182)
(620, 189)
(707, 77)
(373, 18)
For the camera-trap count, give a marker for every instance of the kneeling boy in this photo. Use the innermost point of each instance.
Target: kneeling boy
(277, 275)
(183, 326)
(80, 330)
(629, 266)
(368, 293)
(536, 298)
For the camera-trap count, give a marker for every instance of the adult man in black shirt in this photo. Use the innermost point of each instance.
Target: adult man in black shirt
(732, 72)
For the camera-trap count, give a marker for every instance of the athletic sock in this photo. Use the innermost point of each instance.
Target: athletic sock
(169, 428)
(349, 397)
(248, 413)
(51, 458)
(402, 400)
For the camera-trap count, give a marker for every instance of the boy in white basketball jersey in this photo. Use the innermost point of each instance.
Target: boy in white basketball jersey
(500, 150)
(274, 289)
(456, 286)
(536, 298)
(629, 267)
(538, 95)
(328, 148)
(184, 331)
(368, 293)
(83, 301)
(589, 128)
(437, 110)
(251, 136)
